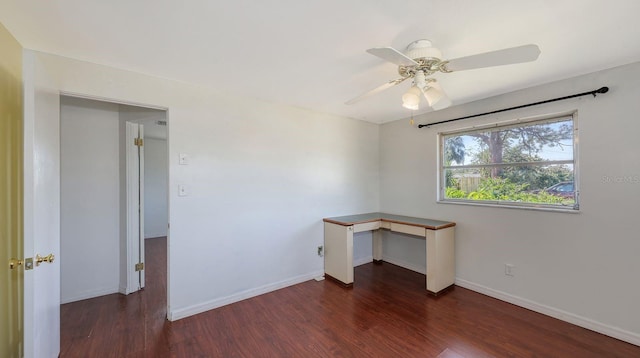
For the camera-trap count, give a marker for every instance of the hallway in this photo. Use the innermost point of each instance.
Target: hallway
(117, 325)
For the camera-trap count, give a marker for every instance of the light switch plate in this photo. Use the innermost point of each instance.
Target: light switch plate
(182, 190)
(183, 159)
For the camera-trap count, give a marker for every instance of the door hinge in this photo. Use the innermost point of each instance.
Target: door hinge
(140, 266)
(139, 142)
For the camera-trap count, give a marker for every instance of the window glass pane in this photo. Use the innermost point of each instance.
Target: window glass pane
(461, 182)
(541, 142)
(525, 163)
(546, 185)
(460, 150)
(539, 177)
(526, 143)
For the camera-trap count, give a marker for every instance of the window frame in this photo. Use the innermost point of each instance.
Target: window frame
(500, 125)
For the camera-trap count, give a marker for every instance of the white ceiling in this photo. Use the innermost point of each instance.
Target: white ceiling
(311, 53)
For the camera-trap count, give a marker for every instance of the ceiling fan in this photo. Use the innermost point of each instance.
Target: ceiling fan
(421, 60)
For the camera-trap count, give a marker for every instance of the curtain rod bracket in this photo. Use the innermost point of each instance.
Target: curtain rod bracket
(594, 93)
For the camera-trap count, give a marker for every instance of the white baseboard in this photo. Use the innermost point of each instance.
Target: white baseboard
(128, 290)
(176, 314)
(89, 294)
(615, 332)
(405, 264)
(362, 261)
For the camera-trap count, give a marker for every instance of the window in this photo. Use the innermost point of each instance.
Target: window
(527, 163)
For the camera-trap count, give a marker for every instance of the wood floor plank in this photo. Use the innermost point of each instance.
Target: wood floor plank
(386, 314)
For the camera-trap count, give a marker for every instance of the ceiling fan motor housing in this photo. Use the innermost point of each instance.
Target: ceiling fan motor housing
(427, 58)
(422, 49)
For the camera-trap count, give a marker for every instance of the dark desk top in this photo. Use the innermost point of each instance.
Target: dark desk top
(399, 219)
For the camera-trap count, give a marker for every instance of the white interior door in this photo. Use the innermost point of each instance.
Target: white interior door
(135, 206)
(41, 210)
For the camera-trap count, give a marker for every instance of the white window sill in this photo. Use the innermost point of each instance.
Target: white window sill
(495, 204)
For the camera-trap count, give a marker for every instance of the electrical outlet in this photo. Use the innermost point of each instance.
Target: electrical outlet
(509, 270)
(320, 251)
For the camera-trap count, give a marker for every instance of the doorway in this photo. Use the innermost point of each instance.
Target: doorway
(96, 205)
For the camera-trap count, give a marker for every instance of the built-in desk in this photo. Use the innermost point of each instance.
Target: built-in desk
(338, 245)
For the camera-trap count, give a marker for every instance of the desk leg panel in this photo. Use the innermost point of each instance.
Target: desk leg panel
(377, 246)
(338, 252)
(441, 265)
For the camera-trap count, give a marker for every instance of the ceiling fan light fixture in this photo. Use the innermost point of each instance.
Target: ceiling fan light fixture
(411, 98)
(436, 96)
(421, 59)
(411, 107)
(433, 95)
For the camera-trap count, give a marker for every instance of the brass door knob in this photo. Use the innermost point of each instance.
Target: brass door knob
(49, 258)
(14, 262)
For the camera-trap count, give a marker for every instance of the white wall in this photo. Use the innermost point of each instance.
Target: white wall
(89, 204)
(362, 248)
(261, 178)
(580, 267)
(155, 187)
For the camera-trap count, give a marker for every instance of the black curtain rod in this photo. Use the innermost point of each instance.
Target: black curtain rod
(594, 92)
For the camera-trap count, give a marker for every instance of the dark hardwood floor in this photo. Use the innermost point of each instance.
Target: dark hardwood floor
(386, 314)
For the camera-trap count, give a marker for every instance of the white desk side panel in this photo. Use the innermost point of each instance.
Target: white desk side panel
(377, 245)
(338, 252)
(441, 264)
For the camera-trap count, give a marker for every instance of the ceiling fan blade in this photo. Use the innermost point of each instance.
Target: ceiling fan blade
(505, 56)
(392, 55)
(376, 90)
(435, 96)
